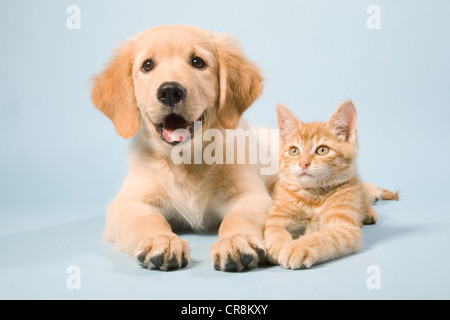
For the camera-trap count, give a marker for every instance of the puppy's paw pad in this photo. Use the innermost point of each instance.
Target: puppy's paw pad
(165, 252)
(157, 260)
(237, 253)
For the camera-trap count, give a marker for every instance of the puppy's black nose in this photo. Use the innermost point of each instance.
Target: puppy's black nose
(170, 93)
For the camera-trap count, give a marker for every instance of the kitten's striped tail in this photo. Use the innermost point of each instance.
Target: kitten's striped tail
(389, 195)
(375, 193)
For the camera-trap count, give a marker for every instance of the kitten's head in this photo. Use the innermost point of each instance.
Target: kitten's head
(318, 154)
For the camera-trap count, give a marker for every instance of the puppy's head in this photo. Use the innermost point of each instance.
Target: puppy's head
(167, 78)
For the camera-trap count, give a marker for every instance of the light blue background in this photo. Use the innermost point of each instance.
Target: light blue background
(61, 161)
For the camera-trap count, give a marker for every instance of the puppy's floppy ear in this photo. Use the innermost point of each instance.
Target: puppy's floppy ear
(240, 81)
(113, 92)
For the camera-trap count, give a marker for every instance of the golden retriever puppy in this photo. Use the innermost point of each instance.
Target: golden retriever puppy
(158, 87)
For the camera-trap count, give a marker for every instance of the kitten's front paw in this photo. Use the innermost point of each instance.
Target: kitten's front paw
(237, 253)
(374, 193)
(371, 216)
(165, 251)
(273, 247)
(296, 255)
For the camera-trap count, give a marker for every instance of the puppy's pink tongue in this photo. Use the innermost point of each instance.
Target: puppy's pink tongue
(179, 134)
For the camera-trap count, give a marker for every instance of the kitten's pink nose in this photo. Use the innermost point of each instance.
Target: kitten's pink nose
(305, 164)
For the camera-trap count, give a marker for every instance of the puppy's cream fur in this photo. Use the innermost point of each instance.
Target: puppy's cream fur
(159, 197)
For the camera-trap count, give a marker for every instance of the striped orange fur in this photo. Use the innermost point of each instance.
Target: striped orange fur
(319, 203)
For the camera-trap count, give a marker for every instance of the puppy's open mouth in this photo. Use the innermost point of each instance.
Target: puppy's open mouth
(175, 129)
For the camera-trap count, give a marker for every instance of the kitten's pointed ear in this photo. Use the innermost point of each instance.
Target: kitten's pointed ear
(343, 121)
(288, 123)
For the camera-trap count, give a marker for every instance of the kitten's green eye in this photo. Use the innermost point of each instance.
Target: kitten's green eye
(322, 150)
(294, 151)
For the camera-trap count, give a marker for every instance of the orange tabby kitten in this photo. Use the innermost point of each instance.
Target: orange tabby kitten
(319, 203)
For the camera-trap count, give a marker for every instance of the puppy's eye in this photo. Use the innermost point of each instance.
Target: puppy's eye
(198, 63)
(294, 151)
(322, 150)
(147, 65)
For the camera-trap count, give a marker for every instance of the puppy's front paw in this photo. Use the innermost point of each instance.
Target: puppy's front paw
(165, 251)
(237, 253)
